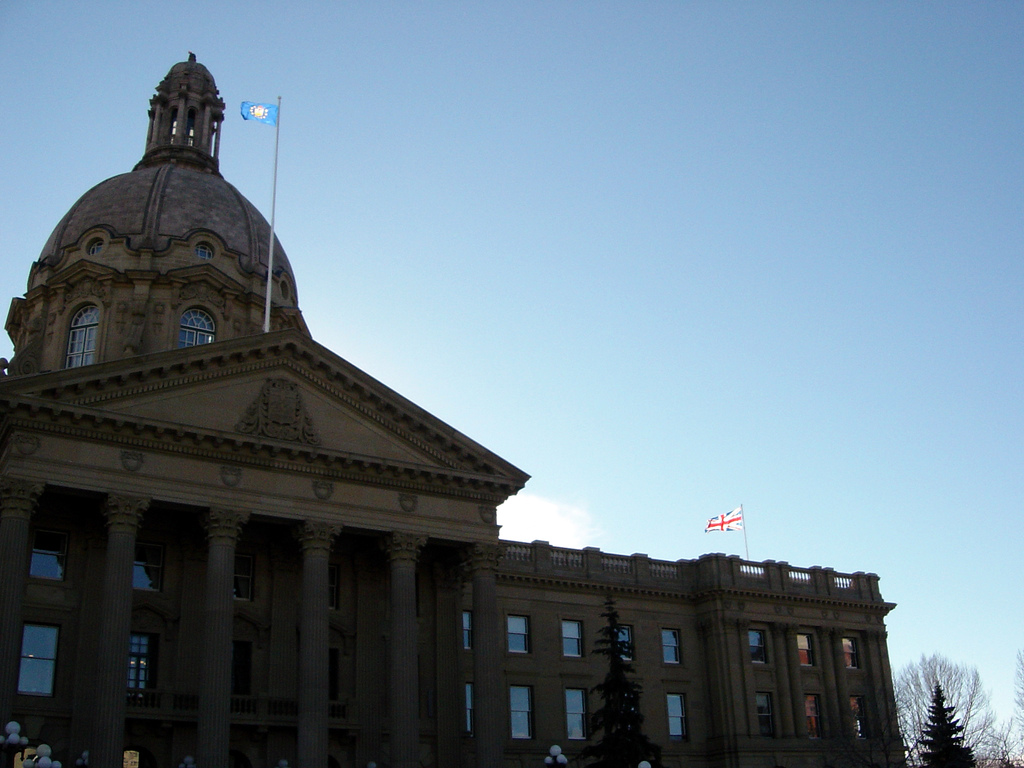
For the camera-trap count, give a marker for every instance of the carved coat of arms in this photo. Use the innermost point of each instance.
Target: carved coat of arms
(278, 413)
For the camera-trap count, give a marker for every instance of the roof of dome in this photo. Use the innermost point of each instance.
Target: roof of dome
(155, 205)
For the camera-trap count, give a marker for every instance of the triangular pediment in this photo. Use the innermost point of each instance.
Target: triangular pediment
(279, 392)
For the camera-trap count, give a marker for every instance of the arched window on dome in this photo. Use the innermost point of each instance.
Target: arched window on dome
(174, 123)
(190, 128)
(196, 328)
(82, 337)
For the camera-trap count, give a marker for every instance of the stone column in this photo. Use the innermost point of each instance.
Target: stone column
(489, 731)
(403, 551)
(124, 514)
(19, 502)
(782, 680)
(223, 527)
(316, 539)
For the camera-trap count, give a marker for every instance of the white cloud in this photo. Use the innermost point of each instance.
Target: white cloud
(526, 517)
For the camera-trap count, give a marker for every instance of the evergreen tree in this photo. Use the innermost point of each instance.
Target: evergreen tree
(942, 741)
(622, 743)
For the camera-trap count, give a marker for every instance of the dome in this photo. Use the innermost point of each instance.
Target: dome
(165, 256)
(152, 207)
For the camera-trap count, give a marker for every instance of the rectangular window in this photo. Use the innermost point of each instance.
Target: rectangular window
(764, 714)
(811, 709)
(142, 651)
(38, 660)
(805, 650)
(332, 587)
(148, 572)
(676, 707)
(860, 720)
(244, 577)
(670, 646)
(576, 713)
(467, 630)
(468, 721)
(49, 551)
(572, 638)
(626, 638)
(850, 653)
(241, 668)
(521, 709)
(758, 649)
(333, 670)
(518, 634)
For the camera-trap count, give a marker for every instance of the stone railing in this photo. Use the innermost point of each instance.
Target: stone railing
(155, 703)
(708, 572)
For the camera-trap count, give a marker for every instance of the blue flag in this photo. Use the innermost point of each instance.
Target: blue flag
(264, 113)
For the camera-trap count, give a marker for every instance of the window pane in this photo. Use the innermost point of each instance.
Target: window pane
(764, 714)
(519, 707)
(626, 638)
(518, 634)
(758, 653)
(38, 660)
(670, 646)
(805, 650)
(48, 552)
(572, 633)
(142, 661)
(676, 706)
(467, 630)
(575, 713)
(147, 573)
(243, 577)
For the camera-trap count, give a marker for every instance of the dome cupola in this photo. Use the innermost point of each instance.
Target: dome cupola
(185, 115)
(167, 255)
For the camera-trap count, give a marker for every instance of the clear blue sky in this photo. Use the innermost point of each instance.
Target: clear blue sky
(667, 257)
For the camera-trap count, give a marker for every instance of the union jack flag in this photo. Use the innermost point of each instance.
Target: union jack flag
(729, 521)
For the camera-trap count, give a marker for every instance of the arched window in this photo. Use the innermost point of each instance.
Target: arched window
(190, 127)
(196, 328)
(203, 251)
(95, 246)
(82, 338)
(174, 123)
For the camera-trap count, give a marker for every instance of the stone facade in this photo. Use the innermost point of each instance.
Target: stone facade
(241, 547)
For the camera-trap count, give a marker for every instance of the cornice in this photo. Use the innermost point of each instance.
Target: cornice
(695, 597)
(262, 453)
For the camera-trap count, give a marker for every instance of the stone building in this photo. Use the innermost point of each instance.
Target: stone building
(236, 545)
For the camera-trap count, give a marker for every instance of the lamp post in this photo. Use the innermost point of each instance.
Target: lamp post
(42, 758)
(13, 742)
(555, 757)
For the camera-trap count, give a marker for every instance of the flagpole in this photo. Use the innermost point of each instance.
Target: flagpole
(273, 211)
(746, 549)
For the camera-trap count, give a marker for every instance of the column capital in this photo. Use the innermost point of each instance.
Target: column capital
(223, 526)
(19, 497)
(316, 535)
(124, 513)
(485, 557)
(404, 546)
